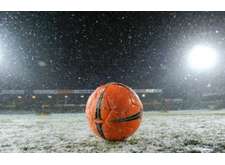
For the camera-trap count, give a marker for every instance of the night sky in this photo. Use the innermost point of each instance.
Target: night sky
(80, 50)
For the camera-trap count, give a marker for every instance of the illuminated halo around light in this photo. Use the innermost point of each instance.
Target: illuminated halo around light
(202, 58)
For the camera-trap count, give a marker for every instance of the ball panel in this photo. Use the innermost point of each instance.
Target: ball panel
(105, 108)
(118, 113)
(135, 99)
(124, 127)
(118, 98)
(94, 123)
(120, 131)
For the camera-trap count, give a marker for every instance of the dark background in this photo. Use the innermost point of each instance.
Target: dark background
(80, 50)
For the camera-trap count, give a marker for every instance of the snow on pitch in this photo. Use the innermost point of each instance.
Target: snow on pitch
(175, 131)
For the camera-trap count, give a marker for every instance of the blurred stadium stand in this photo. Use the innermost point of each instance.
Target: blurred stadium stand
(74, 100)
(64, 100)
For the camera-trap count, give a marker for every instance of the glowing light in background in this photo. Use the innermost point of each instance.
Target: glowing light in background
(19, 97)
(202, 58)
(34, 97)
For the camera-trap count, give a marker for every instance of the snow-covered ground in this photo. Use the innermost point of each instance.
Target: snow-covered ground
(174, 131)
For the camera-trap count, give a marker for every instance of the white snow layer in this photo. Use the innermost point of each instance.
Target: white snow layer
(174, 131)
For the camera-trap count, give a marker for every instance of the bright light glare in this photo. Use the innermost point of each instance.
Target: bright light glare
(202, 58)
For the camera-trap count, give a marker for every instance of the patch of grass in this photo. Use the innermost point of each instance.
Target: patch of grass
(194, 151)
(133, 141)
(111, 142)
(25, 148)
(191, 142)
(176, 136)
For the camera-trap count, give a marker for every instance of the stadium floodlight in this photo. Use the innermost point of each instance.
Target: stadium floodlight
(202, 58)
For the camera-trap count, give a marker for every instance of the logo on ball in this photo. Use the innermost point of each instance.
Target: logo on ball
(114, 111)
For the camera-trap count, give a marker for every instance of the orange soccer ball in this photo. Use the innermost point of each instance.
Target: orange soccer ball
(114, 111)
